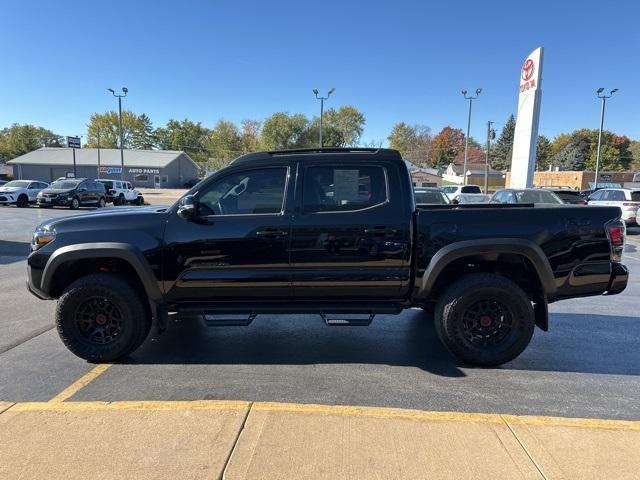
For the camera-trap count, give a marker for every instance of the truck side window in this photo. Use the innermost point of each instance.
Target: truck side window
(257, 191)
(343, 188)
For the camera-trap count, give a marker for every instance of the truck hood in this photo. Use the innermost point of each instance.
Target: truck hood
(114, 217)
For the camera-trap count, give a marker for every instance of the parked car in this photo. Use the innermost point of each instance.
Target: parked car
(466, 198)
(526, 195)
(73, 193)
(21, 192)
(255, 239)
(628, 200)
(452, 191)
(121, 193)
(571, 197)
(430, 196)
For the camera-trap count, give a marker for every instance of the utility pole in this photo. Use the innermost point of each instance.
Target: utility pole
(98, 153)
(322, 99)
(120, 97)
(491, 134)
(471, 98)
(604, 101)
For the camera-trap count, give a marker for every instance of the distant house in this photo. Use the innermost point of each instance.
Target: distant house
(475, 175)
(5, 172)
(143, 168)
(424, 177)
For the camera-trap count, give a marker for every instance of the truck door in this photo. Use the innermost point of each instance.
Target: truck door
(238, 245)
(350, 233)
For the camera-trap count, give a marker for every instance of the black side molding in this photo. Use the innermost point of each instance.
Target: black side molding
(123, 251)
(489, 247)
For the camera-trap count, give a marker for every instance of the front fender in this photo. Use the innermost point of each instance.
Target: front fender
(489, 247)
(123, 251)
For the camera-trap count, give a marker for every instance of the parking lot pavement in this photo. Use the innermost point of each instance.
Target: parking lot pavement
(587, 365)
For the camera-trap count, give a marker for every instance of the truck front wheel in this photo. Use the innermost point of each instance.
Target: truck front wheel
(484, 319)
(101, 317)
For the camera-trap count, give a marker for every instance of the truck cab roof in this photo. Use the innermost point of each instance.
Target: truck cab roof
(315, 154)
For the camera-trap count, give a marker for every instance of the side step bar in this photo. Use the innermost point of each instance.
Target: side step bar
(347, 322)
(228, 320)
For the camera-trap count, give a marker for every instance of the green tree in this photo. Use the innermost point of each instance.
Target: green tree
(184, 135)
(543, 153)
(412, 141)
(340, 128)
(251, 135)
(137, 131)
(503, 149)
(576, 152)
(634, 154)
(224, 144)
(446, 146)
(18, 139)
(283, 131)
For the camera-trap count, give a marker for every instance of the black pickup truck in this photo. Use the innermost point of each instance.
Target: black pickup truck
(334, 232)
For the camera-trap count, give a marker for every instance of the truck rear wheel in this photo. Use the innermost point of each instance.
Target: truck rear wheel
(484, 319)
(102, 317)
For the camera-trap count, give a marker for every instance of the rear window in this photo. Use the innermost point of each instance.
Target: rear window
(431, 197)
(470, 189)
(65, 184)
(530, 196)
(449, 189)
(635, 196)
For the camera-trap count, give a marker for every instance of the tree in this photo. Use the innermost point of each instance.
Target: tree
(18, 139)
(446, 145)
(412, 141)
(340, 128)
(543, 153)
(137, 131)
(251, 135)
(184, 135)
(224, 143)
(283, 131)
(634, 153)
(575, 154)
(503, 149)
(475, 156)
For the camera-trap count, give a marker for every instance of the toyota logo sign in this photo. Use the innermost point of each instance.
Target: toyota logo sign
(527, 70)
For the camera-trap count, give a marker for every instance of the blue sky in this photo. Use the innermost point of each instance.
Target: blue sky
(395, 61)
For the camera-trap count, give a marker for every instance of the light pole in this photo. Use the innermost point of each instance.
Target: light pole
(471, 98)
(120, 97)
(491, 134)
(322, 99)
(604, 101)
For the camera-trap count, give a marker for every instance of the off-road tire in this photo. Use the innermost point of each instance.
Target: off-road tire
(126, 297)
(457, 305)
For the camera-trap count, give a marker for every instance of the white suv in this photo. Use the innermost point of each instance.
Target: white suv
(627, 199)
(452, 191)
(21, 192)
(121, 193)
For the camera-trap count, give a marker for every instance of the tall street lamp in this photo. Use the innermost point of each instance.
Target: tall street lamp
(120, 97)
(604, 101)
(471, 98)
(322, 99)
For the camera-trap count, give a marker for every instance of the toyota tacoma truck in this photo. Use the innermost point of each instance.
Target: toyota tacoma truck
(333, 232)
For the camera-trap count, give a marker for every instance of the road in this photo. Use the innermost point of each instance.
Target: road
(587, 365)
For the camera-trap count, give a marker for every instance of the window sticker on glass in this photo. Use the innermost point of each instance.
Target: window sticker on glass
(345, 186)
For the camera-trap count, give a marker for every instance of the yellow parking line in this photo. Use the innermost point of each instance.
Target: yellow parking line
(339, 410)
(81, 382)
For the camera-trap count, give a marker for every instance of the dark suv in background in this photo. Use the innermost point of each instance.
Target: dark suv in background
(73, 193)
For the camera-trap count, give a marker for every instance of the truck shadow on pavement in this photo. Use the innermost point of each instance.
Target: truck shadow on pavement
(602, 344)
(12, 251)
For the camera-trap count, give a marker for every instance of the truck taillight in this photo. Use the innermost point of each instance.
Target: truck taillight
(616, 232)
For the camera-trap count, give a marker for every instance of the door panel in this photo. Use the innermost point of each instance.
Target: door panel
(232, 252)
(349, 238)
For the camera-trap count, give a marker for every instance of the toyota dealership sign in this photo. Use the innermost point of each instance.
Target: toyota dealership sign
(523, 161)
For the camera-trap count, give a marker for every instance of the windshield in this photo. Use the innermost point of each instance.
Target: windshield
(449, 189)
(64, 184)
(17, 184)
(432, 197)
(537, 196)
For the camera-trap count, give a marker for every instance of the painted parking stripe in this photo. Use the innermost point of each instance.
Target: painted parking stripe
(82, 382)
(349, 411)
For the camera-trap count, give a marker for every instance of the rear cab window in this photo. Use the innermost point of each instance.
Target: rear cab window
(635, 196)
(470, 189)
(344, 188)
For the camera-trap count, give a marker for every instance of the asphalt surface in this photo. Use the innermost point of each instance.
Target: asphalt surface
(587, 365)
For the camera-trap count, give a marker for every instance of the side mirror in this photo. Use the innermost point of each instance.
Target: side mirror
(455, 201)
(187, 207)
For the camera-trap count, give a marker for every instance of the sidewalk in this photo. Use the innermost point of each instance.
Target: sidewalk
(243, 440)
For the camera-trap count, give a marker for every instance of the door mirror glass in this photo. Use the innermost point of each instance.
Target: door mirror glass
(187, 207)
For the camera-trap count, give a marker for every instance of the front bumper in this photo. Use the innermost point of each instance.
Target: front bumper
(33, 283)
(618, 280)
(54, 202)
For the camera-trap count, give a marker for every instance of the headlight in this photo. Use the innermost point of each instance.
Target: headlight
(42, 236)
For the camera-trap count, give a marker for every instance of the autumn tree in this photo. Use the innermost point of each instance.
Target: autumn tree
(250, 135)
(446, 145)
(412, 141)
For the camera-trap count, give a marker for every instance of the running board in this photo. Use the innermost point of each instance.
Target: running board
(347, 322)
(218, 320)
